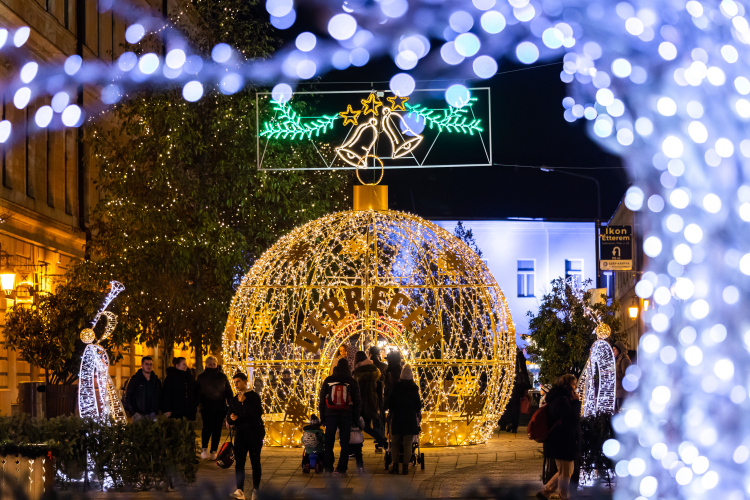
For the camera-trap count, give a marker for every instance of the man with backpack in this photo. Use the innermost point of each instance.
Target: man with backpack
(339, 403)
(245, 415)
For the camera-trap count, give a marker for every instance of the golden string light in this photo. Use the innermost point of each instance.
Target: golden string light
(366, 278)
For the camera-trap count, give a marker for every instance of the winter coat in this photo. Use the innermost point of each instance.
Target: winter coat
(368, 376)
(383, 367)
(142, 396)
(178, 395)
(249, 425)
(354, 404)
(405, 406)
(214, 391)
(621, 364)
(564, 441)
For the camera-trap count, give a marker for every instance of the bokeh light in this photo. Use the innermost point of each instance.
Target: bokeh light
(461, 21)
(192, 91)
(221, 53)
(281, 93)
(342, 26)
(135, 33)
(73, 64)
(279, 8)
(467, 44)
(493, 22)
(21, 35)
(71, 116)
(457, 95)
(484, 67)
(43, 116)
(175, 58)
(527, 52)
(305, 41)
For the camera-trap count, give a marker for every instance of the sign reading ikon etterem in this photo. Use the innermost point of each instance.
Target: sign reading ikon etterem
(616, 243)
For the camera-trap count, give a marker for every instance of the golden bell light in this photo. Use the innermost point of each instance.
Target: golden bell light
(356, 149)
(400, 147)
(633, 311)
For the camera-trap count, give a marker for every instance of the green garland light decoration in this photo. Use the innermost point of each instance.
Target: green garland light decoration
(452, 119)
(289, 124)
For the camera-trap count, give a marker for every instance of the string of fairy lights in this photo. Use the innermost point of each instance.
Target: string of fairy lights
(465, 375)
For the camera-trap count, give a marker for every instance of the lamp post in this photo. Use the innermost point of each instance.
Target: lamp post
(598, 211)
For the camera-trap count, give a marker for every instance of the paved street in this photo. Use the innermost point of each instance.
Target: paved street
(507, 460)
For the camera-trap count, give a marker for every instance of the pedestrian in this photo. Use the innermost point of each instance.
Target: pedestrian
(356, 442)
(622, 361)
(563, 444)
(245, 414)
(143, 392)
(341, 354)
(178, 395)
(383, 367)
(393, 373)
(214, 394)
(340, 404)
(521, 384)
(405, 407)
(544, 390)
(367, 376)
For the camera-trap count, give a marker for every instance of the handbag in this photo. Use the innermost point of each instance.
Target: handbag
(356, 436)
(525, 404)
(225, 458)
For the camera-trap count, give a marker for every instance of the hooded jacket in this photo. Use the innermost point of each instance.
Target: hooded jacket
(178, 395)
(563, 442)
(621, 364)
(142, 396)
(405, 406)
(367, 376)
(214, 391)
(249, 425)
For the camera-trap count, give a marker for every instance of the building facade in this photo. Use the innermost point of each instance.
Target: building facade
(632, 307)
(524, 256)
(46, 182)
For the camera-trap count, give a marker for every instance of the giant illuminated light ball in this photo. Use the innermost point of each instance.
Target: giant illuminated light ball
(363, 278)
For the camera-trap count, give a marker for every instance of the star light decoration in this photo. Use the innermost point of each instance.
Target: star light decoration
(97, 395)
(366, 277)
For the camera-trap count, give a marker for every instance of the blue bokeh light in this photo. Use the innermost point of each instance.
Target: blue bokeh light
(467, 44)
(231, 84)
(282, 93)
(342, 26)
(461, 21)
(72, 115)
(284, 22)
(457, 95)
(60, 101)
(135, 33)
(21, 35)
(493, 22)
(450, 55)
(110, 94)
(402, 84)
(359, 56)
(221, 53)
(74, 62)
(527, 52)
(127, 61)
(193, 65)
(175, 58)
(340, 59)
(305, 41)
(148, 63)
(192, 91)
(43, 116)
(28, 72)
(279, 8)
(484, 67)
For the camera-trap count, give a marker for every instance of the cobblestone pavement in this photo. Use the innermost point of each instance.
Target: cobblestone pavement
(507, 460)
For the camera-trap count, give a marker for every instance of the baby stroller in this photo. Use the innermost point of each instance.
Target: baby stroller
(313, 441)
(416, 457)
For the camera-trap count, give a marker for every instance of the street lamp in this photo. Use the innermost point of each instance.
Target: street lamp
(633, 311)
(7, 275)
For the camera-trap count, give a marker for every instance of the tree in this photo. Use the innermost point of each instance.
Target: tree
(467, 236)
(562, 335)
(183, 210)
(47, 333)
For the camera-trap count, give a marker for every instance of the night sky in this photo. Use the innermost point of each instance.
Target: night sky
(528, 128)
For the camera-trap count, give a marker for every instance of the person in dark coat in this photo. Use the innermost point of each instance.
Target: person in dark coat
(393, 373)
(563, 444)
(245, 414)
(214, 393)
(143, 392)
(368, 377)
(383, 367)
(178, 395)
(339, 403)
(622, 362)
(521, 384)
(405, 407)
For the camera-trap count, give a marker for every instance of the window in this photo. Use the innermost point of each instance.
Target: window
(525, 278)
(574, 270)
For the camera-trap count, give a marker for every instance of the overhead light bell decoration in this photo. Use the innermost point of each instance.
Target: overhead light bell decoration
(598, 379)
(365, 277)
(369, 122)
(7, 276)
(97, 395)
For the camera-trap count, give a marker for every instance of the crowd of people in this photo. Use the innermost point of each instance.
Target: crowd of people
(354, 399)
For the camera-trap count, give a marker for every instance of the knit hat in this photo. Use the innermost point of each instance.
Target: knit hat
(406, 373)
(314, 420)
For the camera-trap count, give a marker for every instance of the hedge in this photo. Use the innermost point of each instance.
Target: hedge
(142, 455)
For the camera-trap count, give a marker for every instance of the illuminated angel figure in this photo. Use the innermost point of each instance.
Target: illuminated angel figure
(599, 398)
(97, 396)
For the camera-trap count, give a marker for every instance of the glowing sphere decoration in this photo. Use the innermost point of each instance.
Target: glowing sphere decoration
(363, 278)
(87, 335)
(602, 331)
